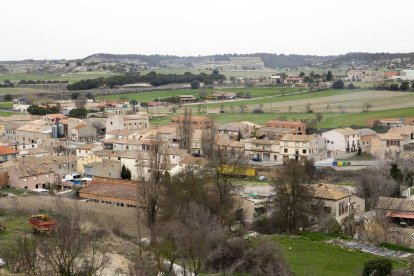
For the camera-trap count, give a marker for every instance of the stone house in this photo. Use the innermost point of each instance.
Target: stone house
(25, 173)
(387, 146)
(407, 133)
(298, 127)
(338, 202)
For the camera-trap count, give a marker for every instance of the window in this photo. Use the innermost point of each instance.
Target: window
(285, 150)
(304, 151)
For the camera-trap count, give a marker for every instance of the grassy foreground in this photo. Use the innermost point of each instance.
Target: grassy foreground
(308, 256)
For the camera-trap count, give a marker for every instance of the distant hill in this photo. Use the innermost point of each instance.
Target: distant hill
(256, 61)
(269, 60)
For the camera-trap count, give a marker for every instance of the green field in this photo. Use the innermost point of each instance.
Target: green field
(71, 77)
(6, 113)
(314, 257)
(6, 105)
(15, 226)
(275, 98)
(330, 120)
(12, 190)
(154, 95)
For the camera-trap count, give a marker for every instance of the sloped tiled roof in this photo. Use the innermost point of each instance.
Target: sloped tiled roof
(7, 151)
(397, 204)
(347, 131)
(111, 188)
(404, 130)
(390, 136)
(298, 138)
(329, 191)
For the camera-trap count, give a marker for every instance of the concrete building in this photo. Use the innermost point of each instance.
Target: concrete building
(299, 147)
(120, 121)
(106, 169)
(293, 80)
(86, 150)
(365, 135)
(83, 134)
(341, 141)
(33, 135)
(263, 150)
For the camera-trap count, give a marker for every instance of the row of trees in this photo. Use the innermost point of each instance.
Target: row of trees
(153, 78)
(404, 86)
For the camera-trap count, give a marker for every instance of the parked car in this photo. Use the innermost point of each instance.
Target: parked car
(256, 159)
(2, 262)
(262, 177)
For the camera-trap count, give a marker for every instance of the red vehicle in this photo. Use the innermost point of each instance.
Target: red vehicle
(42, 223)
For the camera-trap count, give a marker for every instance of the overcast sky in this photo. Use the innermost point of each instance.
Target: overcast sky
(46, 29)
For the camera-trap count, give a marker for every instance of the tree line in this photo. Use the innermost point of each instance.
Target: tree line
(152, 78)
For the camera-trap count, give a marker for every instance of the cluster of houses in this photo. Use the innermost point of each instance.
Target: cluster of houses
(55, 151)
(101, 144)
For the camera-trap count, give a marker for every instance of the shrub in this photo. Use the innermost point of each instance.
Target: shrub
(377, 267)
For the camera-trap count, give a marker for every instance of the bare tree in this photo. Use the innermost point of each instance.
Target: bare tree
(68, 250)
(293, 202)
(185, 129)
(242, 107)
(341, 108)
(81, 101)
(373, 183)
(366, 107)
(151, 166)
(308, 108)
(328, 107)
(198, 232)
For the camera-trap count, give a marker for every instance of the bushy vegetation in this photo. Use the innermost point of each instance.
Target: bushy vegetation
(38, 110)
(378, 267)
(153, 78)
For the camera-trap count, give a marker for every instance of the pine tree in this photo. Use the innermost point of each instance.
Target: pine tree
(329, 76)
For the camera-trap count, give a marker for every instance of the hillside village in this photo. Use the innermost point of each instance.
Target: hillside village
(56, 152)
(111, 154)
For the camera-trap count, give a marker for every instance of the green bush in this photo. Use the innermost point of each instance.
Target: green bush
(377, 267)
